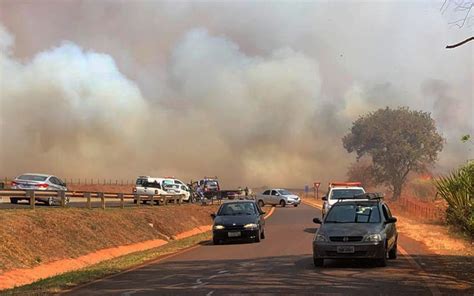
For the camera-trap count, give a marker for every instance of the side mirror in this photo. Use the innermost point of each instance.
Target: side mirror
(391, 220)
(64, 184)
(324, 197)
(317, 221)
(213, 216)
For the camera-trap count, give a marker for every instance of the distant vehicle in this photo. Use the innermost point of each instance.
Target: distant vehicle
(147, 185)
(340, 190)
(209, 187)
(242, 219)
(358, 228)
(39, 182)
(277, 196)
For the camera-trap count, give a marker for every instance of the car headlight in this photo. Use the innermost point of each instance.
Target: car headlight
(321, 238)
(218, 227)
(373, 238)
(250, 225)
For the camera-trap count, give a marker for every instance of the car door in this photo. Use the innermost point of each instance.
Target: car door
(275, 198)
(390, 229)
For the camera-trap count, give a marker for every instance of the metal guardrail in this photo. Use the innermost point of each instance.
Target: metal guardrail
(64, 196)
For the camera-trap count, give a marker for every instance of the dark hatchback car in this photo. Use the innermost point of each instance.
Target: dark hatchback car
(362, 227)
(238, 220)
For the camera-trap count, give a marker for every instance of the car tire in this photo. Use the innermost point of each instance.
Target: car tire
(257, 237)
(135, 201)
(216, 241)
(392, 254)
(295, 206)
(282, 203)
(318, 262)
(261, 203)
(14, 200)
(50, 201)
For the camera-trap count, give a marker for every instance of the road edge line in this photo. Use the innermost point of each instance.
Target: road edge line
(426, 277)
(312, 205)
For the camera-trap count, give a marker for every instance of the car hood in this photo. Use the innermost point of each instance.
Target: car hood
(237, 219)
(349, 229)
(291, 196)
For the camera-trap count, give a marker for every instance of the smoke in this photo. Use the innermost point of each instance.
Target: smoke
(256, 93)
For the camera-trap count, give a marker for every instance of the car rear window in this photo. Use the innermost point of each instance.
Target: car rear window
(32, 178)
(141, 181)
(211, 183)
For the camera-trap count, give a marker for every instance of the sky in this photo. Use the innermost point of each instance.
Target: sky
(255, 92)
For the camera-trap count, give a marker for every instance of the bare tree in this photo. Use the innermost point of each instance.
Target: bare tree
(461, 16)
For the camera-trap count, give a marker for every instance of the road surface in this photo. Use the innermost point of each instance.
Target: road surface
(281, 263)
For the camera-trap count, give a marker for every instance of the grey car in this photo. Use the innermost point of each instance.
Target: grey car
(360, 228)
(39, 182)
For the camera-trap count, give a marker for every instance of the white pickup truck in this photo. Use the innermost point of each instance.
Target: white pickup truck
(278, 196)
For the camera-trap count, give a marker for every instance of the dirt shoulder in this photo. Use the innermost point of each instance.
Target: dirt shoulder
(32, 238)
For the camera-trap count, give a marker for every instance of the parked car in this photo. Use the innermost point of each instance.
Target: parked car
(209, 187)
(242, 219)
(338, 191)
(280, 197)
(39, 182)
(146, 185)
(358, 228)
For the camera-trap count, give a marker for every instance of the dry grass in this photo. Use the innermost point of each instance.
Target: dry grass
(29, 238)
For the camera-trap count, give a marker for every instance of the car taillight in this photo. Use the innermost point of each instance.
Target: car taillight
(14, 183)
(42, 185)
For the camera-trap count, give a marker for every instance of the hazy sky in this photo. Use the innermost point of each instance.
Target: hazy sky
(254, 92)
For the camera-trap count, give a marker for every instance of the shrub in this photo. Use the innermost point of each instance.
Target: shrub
(458, 191)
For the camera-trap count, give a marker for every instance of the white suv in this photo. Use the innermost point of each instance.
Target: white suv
(340, 190)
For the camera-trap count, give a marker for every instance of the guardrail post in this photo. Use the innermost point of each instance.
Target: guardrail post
(32, 199)
(88, 196)
(62, 197)
(102, 200)
(120, 195)
(152, 199)
(138, 200)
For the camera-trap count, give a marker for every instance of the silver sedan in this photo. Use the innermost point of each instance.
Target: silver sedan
(38, 182)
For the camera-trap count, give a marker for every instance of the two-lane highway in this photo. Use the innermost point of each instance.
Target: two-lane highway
(282, 263)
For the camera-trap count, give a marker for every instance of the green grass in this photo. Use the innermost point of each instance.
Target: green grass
(68, 280)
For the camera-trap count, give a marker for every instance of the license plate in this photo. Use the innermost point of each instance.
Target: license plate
(345, 249)
(234, 234)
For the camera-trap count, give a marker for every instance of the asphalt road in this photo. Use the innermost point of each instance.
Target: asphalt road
(282, 263)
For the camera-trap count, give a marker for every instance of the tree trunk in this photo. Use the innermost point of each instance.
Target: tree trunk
(397, 190)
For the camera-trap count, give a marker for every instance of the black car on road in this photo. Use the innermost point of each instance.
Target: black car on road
(237, 220)
(361, 227)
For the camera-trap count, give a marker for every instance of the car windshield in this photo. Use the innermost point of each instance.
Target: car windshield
(32, 178)
(234, 209)
(353, 213)
(285, 192)
(345, 193)
(211, 184)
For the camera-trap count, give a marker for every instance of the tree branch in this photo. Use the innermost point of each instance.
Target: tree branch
(460, 43)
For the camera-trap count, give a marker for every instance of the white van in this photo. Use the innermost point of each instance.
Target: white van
(150, 185)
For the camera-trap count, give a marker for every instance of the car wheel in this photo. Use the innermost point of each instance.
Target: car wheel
(216, 241)
(261, 203)
(13, 200)
(318, 262)
(295, 206)
(257, 237)
(50, 201)
(282, 203)
(135, 201)
(392, 254)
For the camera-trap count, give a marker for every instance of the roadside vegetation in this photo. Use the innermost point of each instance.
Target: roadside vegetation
(457, 189)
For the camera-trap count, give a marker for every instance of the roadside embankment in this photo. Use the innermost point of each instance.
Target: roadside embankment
(44, 237)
